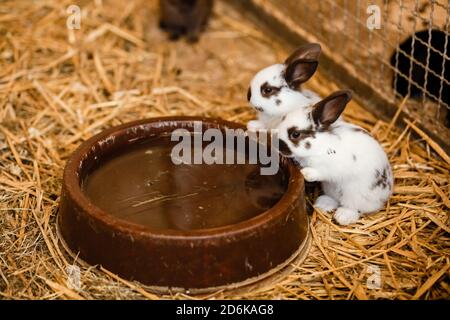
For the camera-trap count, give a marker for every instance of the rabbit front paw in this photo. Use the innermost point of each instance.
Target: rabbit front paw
(346, 216)
(311, 174)
(326, 203)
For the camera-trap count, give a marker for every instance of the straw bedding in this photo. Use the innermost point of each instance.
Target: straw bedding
(58, 87)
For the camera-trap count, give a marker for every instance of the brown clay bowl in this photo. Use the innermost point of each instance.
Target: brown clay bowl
(218, 256)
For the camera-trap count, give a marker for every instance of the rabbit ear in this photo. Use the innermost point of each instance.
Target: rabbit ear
(302, 64)
(329, 109)
(310, 51)
(300, 71)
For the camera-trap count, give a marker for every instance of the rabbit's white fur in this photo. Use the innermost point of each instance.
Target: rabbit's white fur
(269, 112)
(285, 79)
(351, 165)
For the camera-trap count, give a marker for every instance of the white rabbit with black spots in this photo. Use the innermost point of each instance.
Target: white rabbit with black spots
(350, 164)
(275, 90)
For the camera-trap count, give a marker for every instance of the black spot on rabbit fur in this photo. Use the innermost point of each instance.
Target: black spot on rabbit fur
(434, 59)
(284, 149)
(381, 179)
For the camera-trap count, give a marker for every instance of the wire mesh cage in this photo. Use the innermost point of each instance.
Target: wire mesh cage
(394, 48)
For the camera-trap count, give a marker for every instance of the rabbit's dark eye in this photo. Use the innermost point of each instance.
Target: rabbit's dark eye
(295, 134)
(267, 90)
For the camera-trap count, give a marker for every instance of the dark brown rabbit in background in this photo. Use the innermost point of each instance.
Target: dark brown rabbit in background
(184, 17)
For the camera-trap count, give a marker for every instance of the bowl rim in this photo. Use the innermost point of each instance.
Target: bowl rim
(72, 189)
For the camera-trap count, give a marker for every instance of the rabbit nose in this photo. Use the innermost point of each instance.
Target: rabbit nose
(284, 149)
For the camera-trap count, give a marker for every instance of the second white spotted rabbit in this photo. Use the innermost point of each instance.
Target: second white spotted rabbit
(276, 90)
(352, 167)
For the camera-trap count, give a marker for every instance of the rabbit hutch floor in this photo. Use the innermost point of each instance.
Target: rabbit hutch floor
(58, 87)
